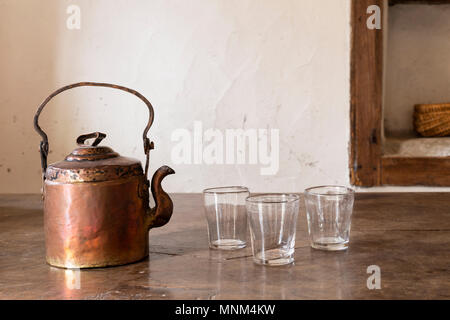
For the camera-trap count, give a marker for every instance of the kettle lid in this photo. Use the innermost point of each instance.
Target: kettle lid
(93, 151)
(92, 163)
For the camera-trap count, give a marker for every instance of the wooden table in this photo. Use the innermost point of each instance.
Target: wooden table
(406, 234)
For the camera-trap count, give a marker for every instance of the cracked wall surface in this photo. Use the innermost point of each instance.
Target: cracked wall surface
(246, 64)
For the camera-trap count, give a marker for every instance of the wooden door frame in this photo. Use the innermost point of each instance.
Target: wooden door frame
(368, 166)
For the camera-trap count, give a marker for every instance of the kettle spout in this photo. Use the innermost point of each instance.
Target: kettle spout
(161, 213)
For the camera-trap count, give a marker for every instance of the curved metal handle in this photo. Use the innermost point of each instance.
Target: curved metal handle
(44, 146)
(97, 135)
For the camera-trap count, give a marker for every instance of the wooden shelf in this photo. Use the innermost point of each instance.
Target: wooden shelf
(368, 165)
(413, 171)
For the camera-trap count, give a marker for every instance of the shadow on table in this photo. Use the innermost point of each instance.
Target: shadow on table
(179, 242)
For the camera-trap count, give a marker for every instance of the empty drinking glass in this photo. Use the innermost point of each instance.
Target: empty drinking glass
(226, 216)
(272, 219)
(329, 211)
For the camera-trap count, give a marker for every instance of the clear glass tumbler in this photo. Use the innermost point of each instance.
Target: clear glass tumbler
(329, 212)
(226, 216)
(272, 219)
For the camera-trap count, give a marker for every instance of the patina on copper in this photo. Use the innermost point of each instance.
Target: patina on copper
(96, 202)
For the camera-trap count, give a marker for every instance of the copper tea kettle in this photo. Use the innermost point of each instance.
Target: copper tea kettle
(96, 202)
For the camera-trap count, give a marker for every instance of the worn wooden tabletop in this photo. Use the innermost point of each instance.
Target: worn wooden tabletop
(406, 234)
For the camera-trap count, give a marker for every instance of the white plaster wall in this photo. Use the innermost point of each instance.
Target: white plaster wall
(231, 64)
(418, 62)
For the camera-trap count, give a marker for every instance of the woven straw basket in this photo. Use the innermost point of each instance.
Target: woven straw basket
(432, 120)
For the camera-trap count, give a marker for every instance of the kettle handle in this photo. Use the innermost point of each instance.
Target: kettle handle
(44, 146)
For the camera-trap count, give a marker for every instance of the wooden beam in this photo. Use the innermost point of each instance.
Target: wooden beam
(366, 97)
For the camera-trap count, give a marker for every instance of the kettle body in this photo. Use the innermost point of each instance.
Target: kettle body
(96, 202)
